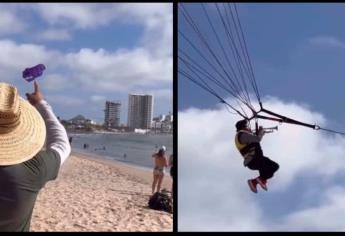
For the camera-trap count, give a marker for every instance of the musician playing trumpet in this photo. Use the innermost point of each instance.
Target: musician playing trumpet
(248, 144)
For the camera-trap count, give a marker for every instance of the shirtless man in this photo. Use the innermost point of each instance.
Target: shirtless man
(158, 171)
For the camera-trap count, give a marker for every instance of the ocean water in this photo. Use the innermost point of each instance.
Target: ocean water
(129, 148)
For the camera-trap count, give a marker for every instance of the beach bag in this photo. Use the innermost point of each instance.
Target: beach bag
(160, 201)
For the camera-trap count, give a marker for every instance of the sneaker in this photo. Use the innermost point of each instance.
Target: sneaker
(262, 183)
(252, 185)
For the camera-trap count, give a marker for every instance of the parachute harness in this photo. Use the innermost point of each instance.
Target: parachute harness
(217, 59)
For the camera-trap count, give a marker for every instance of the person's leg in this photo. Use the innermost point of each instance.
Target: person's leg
(254, 164)
(155, 179)
(274, 166)
(258, 163)
(160, 180)
(268, 168)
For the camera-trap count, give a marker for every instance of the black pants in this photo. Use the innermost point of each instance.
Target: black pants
(266, 166)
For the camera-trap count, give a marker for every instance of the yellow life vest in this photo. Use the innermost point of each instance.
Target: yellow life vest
(245, 149)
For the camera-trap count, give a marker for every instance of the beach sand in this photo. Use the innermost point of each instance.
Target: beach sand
(99, 195)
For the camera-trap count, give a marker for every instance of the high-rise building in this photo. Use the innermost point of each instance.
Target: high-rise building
(112, 114)
(140, 110)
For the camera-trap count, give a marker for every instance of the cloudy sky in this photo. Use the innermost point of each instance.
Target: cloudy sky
(93, 52)
(298, 53)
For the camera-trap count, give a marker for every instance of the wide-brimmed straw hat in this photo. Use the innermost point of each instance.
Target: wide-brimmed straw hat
(22, 128)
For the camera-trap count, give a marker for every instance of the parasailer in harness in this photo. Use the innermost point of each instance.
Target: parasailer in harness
(249, 146)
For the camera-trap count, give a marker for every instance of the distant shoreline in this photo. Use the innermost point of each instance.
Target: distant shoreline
(110, 132)
(128, 148)
(103, 159)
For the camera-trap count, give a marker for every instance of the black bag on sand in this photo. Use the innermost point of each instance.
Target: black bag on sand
(160, 201)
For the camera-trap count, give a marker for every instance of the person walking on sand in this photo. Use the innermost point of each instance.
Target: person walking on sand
(25, 167)
(158, 171)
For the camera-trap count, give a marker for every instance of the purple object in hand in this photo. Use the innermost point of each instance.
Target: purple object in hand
(29, 74)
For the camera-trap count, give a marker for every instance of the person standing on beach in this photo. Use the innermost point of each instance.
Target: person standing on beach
(25, 167)
(158, 171)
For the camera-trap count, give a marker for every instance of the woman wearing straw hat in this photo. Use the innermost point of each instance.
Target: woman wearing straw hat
(24, 166)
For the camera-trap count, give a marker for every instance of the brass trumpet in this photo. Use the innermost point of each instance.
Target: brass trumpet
(270, 129)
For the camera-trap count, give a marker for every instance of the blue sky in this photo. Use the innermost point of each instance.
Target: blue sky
(93, 52)
(298, 54)
(297, 51)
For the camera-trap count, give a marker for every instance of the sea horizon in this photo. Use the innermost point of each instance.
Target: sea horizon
(127, 148)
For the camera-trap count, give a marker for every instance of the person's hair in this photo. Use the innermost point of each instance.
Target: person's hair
(161, 152)
(241, 124)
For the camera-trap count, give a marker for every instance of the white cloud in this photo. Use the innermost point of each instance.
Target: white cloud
(92, 14)
(212, 191)
(14, 58)
(214, 196)
(92, 69)
(328, 41)
(65, 100)
(166, 94)
(118, 71)
(23, 55)
(54, 81)
(79, 15)
(147, 64)
(10, 23)
(151, 14)
(155, 17)
(328, 216)
(97, 98)
(54, 35)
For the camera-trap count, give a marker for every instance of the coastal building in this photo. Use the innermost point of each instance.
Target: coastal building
(81, 120)
(169, 117)
(140, 110)
(160, 118)
(163, 123)
(112, 114)
(79, 123)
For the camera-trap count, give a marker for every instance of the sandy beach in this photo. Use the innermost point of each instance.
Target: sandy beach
(99, 195)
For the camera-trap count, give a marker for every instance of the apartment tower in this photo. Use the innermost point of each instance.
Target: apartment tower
(140, 110)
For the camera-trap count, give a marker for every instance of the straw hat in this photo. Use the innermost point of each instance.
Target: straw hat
(22, 129)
